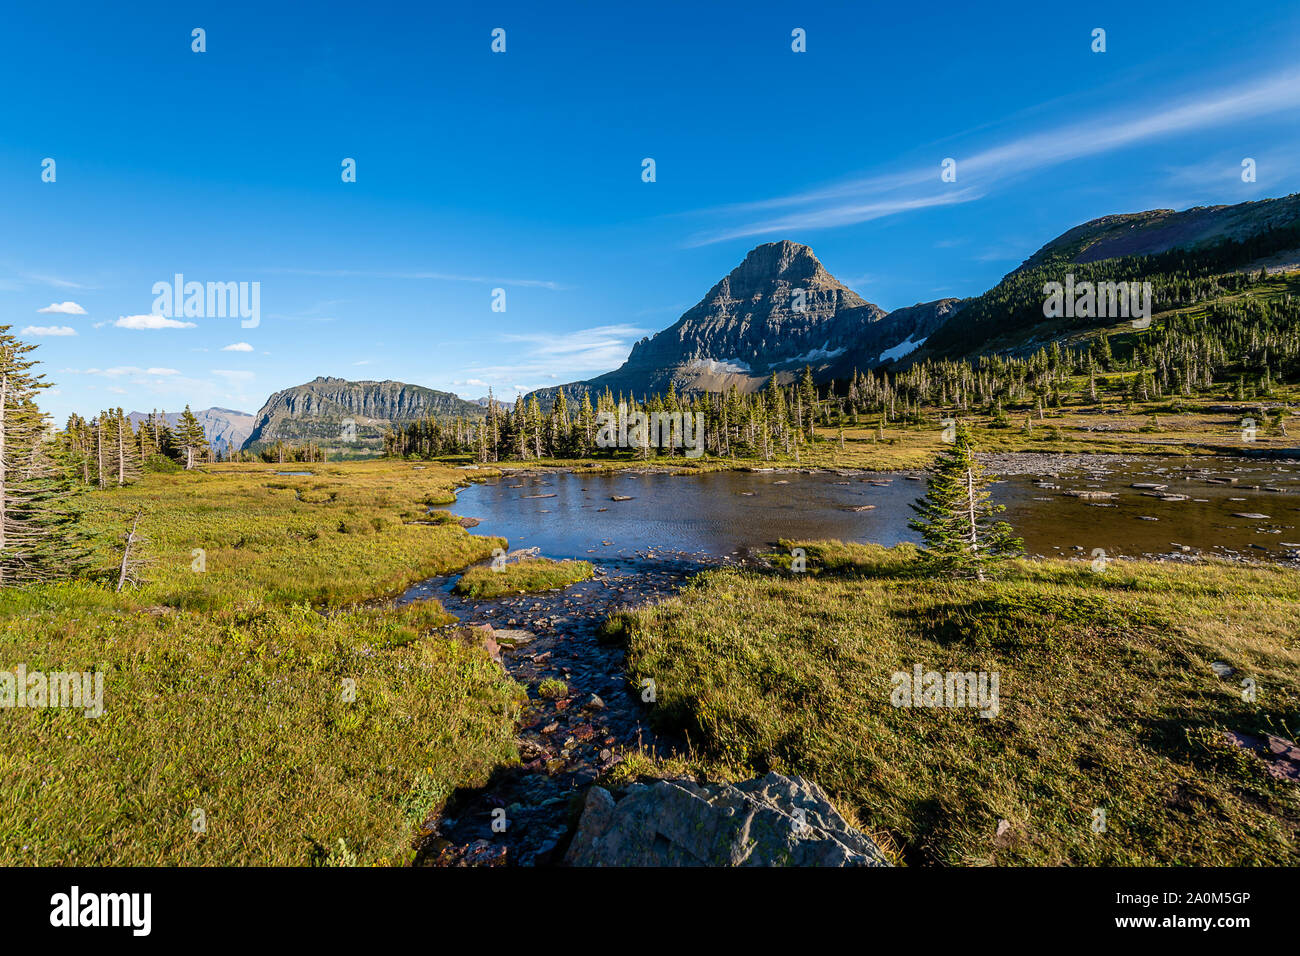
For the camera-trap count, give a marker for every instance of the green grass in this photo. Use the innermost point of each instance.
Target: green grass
(350, 532)
(522, 577)
(1107, 701)
(552, 688)
(224, 689)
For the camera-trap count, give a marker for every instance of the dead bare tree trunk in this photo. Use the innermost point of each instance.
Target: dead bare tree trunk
(974, 535)
(126, 554)
(99, 449)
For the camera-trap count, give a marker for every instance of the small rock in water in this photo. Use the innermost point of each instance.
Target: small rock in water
(512, 638)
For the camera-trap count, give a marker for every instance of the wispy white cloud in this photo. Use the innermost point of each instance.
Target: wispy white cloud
(318, 312)
(120, 370)
(237, 347)
(151, 321)
(64, 308)
(837, 215)
(867, 198)
(48, 330)
(420, 275)
(556, 357)
(584, 349)
(859, 282)
(56, 281)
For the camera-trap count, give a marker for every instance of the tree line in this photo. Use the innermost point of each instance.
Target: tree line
(108, 450)
(773, 422)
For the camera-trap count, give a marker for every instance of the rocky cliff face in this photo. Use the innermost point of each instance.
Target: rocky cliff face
(776, 312)
(318, 411)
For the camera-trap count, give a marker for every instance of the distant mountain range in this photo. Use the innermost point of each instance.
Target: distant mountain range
(1159, 230)
(225, 428)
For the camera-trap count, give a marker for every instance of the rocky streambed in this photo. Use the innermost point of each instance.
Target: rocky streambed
(580, 718)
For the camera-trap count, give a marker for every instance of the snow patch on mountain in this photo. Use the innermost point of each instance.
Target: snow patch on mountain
(729, 366)
(816, 355)
(901, 349)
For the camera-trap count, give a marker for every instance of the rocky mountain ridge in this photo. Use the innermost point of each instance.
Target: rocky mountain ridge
(336, 411)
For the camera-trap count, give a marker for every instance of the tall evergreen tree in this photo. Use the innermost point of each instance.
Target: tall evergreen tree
(189, 436)
(125, 455)
(39, 539)
(957, 523)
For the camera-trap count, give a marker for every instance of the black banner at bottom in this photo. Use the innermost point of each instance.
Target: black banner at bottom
(333, 906)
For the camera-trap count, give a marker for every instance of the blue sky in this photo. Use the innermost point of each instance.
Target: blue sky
(522, 170)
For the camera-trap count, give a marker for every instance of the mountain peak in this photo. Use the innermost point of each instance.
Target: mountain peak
(778, 257)
(791, 263)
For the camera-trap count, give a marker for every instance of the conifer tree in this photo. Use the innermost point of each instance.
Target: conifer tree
(124, 451)
(189, 436)
(534, 423)
(586, 425)
(39, 538)
(808, 400)
(957, 522)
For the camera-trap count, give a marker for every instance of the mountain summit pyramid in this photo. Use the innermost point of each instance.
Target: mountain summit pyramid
(776, 312)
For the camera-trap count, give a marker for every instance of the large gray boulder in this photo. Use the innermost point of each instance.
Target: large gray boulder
(767, 821)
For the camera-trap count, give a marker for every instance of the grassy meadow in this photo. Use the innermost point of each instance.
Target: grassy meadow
(254, 711)
(1107, 700)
